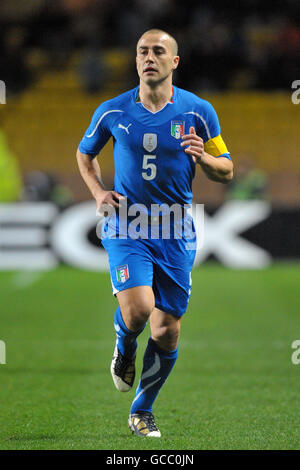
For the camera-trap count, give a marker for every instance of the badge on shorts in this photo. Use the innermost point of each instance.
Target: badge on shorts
(122, 273)
(177, 129)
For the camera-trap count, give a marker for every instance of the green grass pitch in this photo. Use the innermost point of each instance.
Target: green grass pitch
(233, 387)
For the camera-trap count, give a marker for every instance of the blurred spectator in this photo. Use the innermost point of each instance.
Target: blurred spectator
(49, 30)
(40, 186)
(13, 68)
(92, 71)
(10, 177)
(248, 182)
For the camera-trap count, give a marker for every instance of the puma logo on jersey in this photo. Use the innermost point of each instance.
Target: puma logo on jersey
(125, 128)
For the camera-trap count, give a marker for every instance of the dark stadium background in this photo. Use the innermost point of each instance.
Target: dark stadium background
(59, 60)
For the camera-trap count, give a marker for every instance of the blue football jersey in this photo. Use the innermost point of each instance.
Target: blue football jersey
(150, 165)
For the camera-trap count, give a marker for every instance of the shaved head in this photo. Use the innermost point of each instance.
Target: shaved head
(156, 57)
(164, 35)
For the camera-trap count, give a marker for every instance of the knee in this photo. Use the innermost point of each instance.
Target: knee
(166, 336)
(137, 313)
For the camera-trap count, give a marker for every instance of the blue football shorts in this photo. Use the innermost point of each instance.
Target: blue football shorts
(164, 265)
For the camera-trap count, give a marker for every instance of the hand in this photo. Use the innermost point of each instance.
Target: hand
(195, 145)
(107, 200)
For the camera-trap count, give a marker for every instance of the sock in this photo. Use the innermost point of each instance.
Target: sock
(126, 339)
(157, 365)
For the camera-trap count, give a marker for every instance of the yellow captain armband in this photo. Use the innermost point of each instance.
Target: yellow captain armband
(215, 146)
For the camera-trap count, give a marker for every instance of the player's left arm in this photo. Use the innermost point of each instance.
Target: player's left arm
(218, 169)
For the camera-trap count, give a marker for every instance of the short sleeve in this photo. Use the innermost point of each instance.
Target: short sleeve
(97, 134)
(214, 143)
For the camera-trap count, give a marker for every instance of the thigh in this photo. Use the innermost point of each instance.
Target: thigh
(172, 281)
(136, 305)
(130, 264)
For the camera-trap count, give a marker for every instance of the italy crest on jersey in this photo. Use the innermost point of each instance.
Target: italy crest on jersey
(177, 129)
(122, 273)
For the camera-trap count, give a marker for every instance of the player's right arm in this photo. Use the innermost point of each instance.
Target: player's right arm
(90, 171)
(94, 139)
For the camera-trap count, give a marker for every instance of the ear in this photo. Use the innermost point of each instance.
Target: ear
(176, 60)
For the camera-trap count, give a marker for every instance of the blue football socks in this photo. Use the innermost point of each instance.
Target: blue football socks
(126, 339)
(157, 365)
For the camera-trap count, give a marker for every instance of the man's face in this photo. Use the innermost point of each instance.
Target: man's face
(155, 58)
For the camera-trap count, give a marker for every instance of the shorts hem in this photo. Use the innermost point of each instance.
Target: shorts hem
(125, 287)
(175, 313)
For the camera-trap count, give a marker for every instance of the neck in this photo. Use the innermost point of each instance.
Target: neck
(155, 98)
